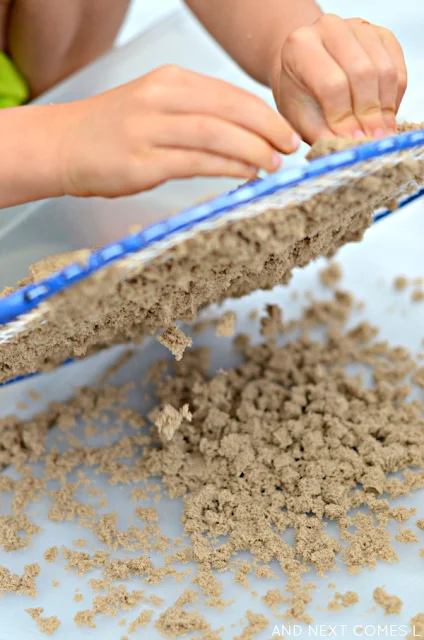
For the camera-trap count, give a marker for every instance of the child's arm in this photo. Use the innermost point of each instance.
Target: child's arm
(329, 76)
(171, 123)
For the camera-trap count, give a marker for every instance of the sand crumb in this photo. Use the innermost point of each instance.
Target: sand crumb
(46, 625)
(390, 604)
(21, 585)
(406, 536)
(256, 622)
(175, 622)
(331, 275)
(148, 514)
(274, 598)
(85, 619)
(11, 530)
(400, 283)
(272, 323)
(401, 514)
(264, 571)
(189, 596)
(80, 543)
(417, 624)
(226, 324)
(168, 420)
(218, 603)
(208, 583)
(244, 569)
(343, 600)
(175, 340)
(417, 295)
(142, 620)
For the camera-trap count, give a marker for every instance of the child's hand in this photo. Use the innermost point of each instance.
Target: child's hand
(343, 77)
(168, 124)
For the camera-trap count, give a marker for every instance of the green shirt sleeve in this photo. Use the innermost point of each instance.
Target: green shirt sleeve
(14, 90)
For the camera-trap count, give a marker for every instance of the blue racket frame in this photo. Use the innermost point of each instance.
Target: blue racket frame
(29, 297)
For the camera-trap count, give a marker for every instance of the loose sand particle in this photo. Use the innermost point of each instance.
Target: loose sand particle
(390, 604)
(402, 514)
(256, 622)
(406, 536)
(175, 340)
(50, 554)
(244, 569)
(219, 603)
(80, 543)
(418, 377)
(148, 514)
(168, 419)
(263, 571)
(400, 283)
(272, 323)
(175, 622)
(343, 600)
(420, 524)
(85, 619)
(21, 585)
(142, 620)
(274, 598)
(226, 324)
(331, 275)
(11, 528)
(417, 624)
(189, 596)
(208, 583)
(46, 625)
(417, 295)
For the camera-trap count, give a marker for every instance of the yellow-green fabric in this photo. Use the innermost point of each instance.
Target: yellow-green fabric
(13, 88)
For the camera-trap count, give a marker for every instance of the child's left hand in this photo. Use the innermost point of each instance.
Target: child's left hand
(340, 77)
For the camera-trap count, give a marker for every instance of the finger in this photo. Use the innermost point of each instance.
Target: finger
(371, 42)
(172, 164)
(302, 110)
(210, 96)
(310, 64)
(360, 71)
(395, 50)
(217, 136)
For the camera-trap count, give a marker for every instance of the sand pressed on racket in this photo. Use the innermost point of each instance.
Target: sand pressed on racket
(230, 261)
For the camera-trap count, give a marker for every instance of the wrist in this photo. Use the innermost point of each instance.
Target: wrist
(29, 154)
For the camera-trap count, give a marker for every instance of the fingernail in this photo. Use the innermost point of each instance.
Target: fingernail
(379, 133)
(276, 160)
(358, 134)
(296, 141)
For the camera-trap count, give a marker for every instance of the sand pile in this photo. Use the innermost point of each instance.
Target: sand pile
(289, 440)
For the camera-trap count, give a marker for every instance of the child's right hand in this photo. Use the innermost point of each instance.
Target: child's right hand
(169, 124)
